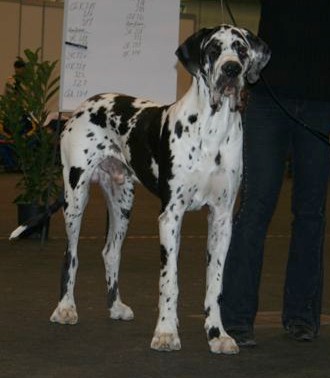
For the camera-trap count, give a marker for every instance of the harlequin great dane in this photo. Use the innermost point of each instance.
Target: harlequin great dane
(188, 154)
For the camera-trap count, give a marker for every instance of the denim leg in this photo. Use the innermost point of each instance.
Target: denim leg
(311, 167)
(266, 142)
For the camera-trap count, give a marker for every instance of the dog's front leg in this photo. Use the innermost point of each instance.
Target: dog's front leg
(219, 235)
(166, 334)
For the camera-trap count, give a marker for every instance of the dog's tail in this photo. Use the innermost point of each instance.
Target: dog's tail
(34, 222)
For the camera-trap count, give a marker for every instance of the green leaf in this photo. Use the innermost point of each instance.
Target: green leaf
(41, 179)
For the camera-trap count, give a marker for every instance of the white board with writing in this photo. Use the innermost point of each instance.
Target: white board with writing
(123, 46)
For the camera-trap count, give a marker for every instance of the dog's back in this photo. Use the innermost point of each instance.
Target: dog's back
(110, 129)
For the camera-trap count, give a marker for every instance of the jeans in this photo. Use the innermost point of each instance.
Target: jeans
(269, 137)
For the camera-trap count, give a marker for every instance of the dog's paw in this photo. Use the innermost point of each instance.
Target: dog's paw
(65, 315)
(225, 344)
(121, 311)
(165, 342)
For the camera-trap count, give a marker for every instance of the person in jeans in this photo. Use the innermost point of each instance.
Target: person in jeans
(297, 32)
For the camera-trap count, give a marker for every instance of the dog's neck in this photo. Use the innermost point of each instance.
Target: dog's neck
(198, 97)
(196, 100)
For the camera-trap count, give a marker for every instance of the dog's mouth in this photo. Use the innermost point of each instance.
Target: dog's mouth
(225, 89)
(228, 86)
(230, 90)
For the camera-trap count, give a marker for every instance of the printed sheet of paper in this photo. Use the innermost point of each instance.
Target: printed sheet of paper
(125, 46)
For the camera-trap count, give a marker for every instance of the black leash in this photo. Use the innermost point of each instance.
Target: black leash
(323, 137)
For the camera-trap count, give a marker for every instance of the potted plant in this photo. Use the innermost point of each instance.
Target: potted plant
(23, 111)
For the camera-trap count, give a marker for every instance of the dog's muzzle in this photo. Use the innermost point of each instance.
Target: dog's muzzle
(228, 84)
(231, 69)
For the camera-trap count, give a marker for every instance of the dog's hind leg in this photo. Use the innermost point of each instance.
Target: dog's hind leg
(219, 235)
(166, 336)
(76, 185)
(119, 197)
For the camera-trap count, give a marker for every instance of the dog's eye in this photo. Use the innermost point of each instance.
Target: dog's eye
(213, 52)
(240, 49)
(242, 52)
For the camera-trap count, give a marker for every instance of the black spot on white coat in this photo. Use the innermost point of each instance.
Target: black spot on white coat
(74, 176)
(99, 118)
(193, 118)
(218, 159)
(178, 129)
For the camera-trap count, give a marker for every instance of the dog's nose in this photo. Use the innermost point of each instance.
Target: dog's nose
(232, 69)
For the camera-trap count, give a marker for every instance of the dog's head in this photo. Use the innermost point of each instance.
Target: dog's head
(224, 57)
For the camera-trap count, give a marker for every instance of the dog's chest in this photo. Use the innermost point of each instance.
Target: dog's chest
(208, 163)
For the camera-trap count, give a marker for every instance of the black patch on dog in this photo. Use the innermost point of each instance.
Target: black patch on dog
(74, 176)
(96, 98)
(192, 118)
(212, 52)
(125, 213)
(213, 109)
(100, 117)
(65, 276)
(145, 145)
(213, 333)
(112, 294)
(90, 135)
(100, 146)
(218, 159)
(79, 114)
(163, 256)
(123, 107)
(178, 129)
(241, 50)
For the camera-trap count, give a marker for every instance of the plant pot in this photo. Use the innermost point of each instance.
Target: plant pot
(28, 213)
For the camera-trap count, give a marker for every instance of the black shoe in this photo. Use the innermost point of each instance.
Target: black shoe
(301, 332)
(243, 338)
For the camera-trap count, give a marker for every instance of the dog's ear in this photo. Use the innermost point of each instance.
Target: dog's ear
(189, 53)
(260, 56)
